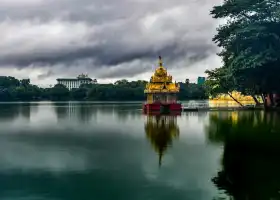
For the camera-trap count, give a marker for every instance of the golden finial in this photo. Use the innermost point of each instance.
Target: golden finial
(160, 61)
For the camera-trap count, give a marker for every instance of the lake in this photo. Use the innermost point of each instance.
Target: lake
(102, 151)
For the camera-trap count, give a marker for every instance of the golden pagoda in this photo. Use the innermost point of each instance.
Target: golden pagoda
(161, 91)
(161, 130)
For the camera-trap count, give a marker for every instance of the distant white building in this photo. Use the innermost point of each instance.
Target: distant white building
(71, 83)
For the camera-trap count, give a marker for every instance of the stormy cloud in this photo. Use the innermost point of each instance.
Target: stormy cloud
(104, 38)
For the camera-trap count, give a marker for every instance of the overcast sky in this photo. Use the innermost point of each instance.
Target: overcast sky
(107, 39)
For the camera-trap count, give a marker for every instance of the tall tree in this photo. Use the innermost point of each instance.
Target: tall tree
(7, 82)
(59, 92)
(250, 42)
(25, 82)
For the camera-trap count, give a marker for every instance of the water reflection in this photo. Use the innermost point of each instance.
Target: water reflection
(60, 154)
(250, 160)
(10, 112)
(161, 130)
(72, 110)
(85, 112)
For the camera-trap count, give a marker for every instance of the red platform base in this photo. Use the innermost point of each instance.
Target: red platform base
(162, 107)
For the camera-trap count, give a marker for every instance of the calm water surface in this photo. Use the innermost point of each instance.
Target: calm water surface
(82, 151)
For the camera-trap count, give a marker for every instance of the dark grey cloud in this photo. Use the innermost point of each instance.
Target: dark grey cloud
(104, 34)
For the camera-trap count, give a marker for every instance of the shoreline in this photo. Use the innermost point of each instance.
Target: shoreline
(186, 109)
(209, 109)
(194, 108)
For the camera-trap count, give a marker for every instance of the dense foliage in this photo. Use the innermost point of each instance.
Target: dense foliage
(12, 89)
(250, 42)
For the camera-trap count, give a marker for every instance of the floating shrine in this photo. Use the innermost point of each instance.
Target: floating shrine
(162, 92)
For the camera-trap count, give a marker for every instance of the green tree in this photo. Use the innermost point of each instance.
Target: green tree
(250, 43)
(7, 82)
(192, 91)
(59, 92)
(121, 82)
(25, 82)
(79, 94)
(5, 95)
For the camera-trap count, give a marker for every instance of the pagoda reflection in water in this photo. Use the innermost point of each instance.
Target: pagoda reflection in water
(161, 130)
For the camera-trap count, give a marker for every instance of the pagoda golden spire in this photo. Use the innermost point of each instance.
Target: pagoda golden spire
(160, 61)
(161, 81)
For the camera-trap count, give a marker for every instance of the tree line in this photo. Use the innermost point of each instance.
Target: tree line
(250, 43)
(12, 89)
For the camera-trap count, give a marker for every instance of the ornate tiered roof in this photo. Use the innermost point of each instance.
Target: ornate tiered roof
(161, 82)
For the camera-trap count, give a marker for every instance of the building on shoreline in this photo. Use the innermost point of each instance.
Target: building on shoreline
(201, 80)
(71, 83)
